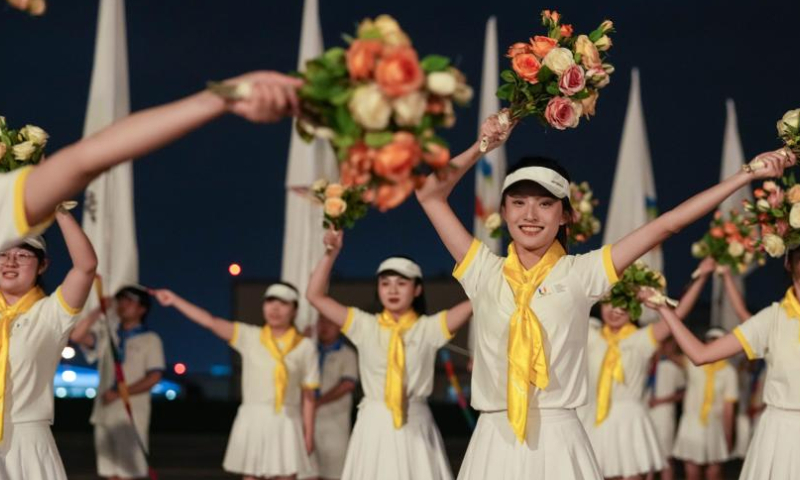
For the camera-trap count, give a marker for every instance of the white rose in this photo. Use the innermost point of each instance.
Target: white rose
(23, 151)
(762, 205)
(559, 60)
(735, 249)
(442, 83)
(463, 94)
(699, 250)
(319, 185)
(493, 222)
(596, 226)
(34, 134)
(409, 109)
(791, 118)
(585, 206)
(370, 108)
(603, 44)
(794, 216)
(390, 31)
(748, 258)
(774, 245)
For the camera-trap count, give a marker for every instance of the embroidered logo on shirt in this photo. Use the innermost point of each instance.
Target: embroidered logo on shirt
(545, 291)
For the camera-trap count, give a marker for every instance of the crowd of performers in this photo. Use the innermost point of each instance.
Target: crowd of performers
(560, 395)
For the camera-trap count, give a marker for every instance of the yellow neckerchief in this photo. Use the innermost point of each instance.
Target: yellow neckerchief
(790, 304)
(290, 340)
(527, 364)
(708, 396)
(394, 394)
(7, 315)
(611, 369)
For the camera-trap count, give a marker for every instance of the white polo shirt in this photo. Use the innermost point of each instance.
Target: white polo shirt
(636, 352)
(421, 342)
(338, 364)
(562, 304)
(258, 367)
(774, 336)
(37, 338)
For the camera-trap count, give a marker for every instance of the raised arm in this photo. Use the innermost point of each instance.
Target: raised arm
(220, 327)
(82, 333)
(433, 194)
(735, 296)
(458, 316)
(317, 291)
(698, 352)
(79, 280)
(689, 298)
(643, 239)
(71, 169)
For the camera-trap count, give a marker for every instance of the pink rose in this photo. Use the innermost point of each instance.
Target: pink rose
(562, 113)
(782, 227)
(775, 198)
(599, 77)
(572, 81)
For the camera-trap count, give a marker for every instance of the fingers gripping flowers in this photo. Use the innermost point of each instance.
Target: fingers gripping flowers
(19, 148)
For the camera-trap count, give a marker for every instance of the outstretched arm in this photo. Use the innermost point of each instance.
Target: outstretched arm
(458, 316)
(689, 298)
(643, 239)
(735, 296)
(220, 327)
(70, 170)
(78, 282)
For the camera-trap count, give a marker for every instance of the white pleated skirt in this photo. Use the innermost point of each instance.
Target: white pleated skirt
(379, 451)
(264, 443)
(774, 452)
(665, 423)
(28, 452)
(698, 443)
(556, 447)
(331, 437)
(626, 443)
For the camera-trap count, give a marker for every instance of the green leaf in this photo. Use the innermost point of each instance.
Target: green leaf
(378, 139)
(778, 213)
(545, 74)
(434, 63)
(581, 95)
(596, 35)
(342, 97)
(345, 122)
(505, 91)
(508, 76)
(552, 89)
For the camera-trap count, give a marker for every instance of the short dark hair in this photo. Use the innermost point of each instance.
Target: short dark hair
(552, 164)
(141, 295)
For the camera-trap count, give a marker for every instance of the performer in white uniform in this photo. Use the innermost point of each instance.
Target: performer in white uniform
(116, 439)
(273, 433)
(338, 378)
(395, 436)
(34, 330)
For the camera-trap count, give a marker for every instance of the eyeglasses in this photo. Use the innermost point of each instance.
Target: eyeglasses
(22, 259)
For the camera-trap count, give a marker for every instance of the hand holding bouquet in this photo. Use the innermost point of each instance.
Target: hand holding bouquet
(626, 293)
(777, 214)
(731, 242)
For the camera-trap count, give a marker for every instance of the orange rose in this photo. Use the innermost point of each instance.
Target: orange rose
(518, 49)
(527, 67)
(335, 207)
(541, 46)
(398, 72)
(356, 170)
(395, 161)
(717, 232)
(730, 228)
(759, 193)
(436, 155)
(553, 16)
(361, 57)
(566, 31)
(589, 103)
(436, 105)
(390, 196)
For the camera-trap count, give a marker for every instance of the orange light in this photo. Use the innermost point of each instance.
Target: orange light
(235, 269)
(180, 368)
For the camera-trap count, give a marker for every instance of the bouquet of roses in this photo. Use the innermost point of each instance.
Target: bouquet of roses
(342, 205)
(789, 130)
(557, 77)
(584, 223)
(22, 147)
(732, 242)
(625, 293)
(379, 105)
(777, 213)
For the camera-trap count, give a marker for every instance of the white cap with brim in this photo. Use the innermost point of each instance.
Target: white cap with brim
(715, 333)
(403, 266)
(549, 179)
(281, 292)
(36, 242)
